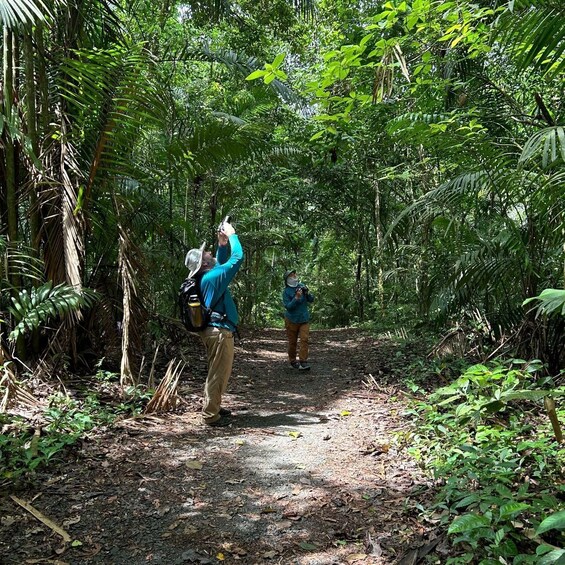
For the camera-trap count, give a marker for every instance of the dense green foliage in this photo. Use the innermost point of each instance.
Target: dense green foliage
(24, 448)
(497, 469)
(407, 158)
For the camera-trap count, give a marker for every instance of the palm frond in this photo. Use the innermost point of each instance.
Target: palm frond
(33, 309)
(23, 12)
(116, 82)
(551, 301)
(445, 196)
(242, 65)
(533, 32)
(494, 268)
(550, 142)
(18, 261)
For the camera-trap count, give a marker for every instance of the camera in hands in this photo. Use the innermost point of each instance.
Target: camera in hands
(226, 219)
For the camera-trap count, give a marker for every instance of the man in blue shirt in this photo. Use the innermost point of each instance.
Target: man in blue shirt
(215, 274)
(296, 298)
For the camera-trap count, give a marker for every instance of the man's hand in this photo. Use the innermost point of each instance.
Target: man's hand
(222, 239)
(226, 229)
(299, 293)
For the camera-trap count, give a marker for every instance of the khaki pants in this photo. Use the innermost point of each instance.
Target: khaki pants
(293, 332)
(220, 352)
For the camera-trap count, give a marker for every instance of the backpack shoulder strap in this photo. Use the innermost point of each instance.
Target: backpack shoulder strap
(198, 288)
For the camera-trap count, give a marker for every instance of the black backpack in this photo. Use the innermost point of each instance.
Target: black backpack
(193, 314)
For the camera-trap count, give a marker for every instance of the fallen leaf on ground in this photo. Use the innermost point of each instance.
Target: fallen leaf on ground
(292, 516)
(345, 413)
(355, 557)
(194, 465)
(295, 435)
(269, 554)
(71, 521)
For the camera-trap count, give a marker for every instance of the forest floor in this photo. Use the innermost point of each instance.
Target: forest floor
(310, 471)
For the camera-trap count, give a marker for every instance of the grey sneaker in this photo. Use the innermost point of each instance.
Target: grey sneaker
(295, 364)
(303, 366)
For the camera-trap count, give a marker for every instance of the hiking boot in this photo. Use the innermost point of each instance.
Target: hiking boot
(295, 364)
(219, 423)
(303, 366)
(224, 412)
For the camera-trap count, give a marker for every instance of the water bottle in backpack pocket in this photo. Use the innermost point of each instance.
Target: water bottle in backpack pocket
(194, 315)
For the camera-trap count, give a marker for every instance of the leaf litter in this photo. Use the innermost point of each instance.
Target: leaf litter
(307, 502)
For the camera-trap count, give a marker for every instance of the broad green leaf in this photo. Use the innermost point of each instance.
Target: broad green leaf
(555, 557)
(463, 503)
(256, 74)
(317, 135)
(468, 522)
(554, 522)
(511, 509)
(278, 60)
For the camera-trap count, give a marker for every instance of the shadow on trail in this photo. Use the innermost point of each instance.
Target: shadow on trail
(287, 483)
(288, 419)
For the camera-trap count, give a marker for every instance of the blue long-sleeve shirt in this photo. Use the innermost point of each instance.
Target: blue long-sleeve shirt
(296, 309)
(214, 284)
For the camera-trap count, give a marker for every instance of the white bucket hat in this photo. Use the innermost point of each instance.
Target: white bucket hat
(193, 260)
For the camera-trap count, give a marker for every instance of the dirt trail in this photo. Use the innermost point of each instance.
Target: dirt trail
(307, 473)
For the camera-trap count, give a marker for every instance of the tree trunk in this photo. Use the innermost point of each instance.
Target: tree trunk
(10, 164)
(358, 273)
(32, 134)
(379, 240)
